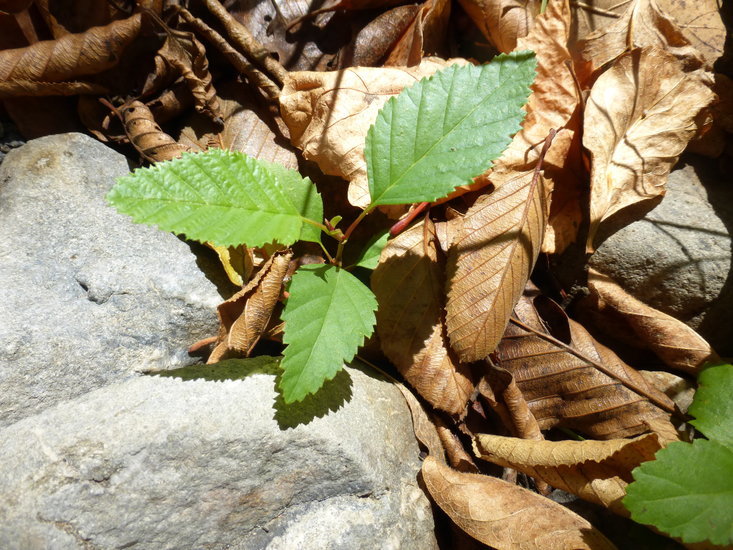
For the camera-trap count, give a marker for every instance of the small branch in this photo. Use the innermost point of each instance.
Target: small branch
(400, 226)
(247, 44)
(599, 11)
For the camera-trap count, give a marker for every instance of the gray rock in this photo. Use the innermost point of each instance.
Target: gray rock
(87, 297)
(161, 463)
(678, 257)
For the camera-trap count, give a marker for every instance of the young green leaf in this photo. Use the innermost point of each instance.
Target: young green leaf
(327, 316)
(687, 491)
(224, 197)
(446, 129)
(369, 257)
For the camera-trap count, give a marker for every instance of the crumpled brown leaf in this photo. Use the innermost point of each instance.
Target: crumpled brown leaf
(679, 346)
(245, 316)
(504, 396)
(502, 22)
(639, 117)
(596, 471)
(146, 136)
(425, 35)
(505, 516)
(408, 283)
(26, 71)
(490, 262)
(642, 24)
(374, 42)
(572, 381)
(329, 114)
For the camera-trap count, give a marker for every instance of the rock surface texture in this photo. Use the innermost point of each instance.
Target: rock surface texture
(95, 455)
(162, 463)
(678, 257)
(86, 296)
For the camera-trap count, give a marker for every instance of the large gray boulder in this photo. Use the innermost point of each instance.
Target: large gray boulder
(87, 297)
(163, 463)
(678, 257)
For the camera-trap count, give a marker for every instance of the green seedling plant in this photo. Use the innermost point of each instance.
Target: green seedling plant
(431, 138)
(687, 490)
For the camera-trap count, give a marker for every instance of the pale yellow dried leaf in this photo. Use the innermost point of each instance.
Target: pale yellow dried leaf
(570, 380)
(596, 471)
(675, 343)
(490, 262)
(237, 261)
(329, 113)
(408, 283)
(642, 24)
(505, 516)
(639, 117)
(702, 24)
(502, 22)
(244, 317)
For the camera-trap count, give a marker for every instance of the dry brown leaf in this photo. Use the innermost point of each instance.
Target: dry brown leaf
(490, 262)
(329, 114)
(596, 471)
(593, 15)
(408, 283)
(505, 516)
(458, 458)
(146, 136)
(639, 117)
(425, 35)
(570, 380)
(248, 127)
(503, 394)
(678, 389)
(502, 22)
(71, 56)
(702, 24)
(642, 24)
(671, 340)
(374, 42)
(183, 55)
(244, 316)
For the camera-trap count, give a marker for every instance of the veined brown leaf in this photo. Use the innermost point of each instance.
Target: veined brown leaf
(570, 380)
(408, 283)
(701, 22)
(244, 316)
(505, 516)
(639, 117)
(425, 35)
(670, 339)
(500, 389)
(490, 262)
(596, 471)
(146, 136)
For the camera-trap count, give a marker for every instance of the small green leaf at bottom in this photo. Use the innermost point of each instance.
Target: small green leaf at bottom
(327, 317)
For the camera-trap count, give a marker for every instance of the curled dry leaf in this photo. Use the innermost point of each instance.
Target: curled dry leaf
(374, 42)
(678, 389)
(490, 262)
(408, 284)
(675, 343)
(146, 136)
(570, 380)
(642, 24)
(505, 516)
(501, 391)
(639, 117)
(244, 316)
(502, 22)
(329, 114)
(596, 471)
(458, 458)
(69, 57)
(238, 262)
(426, 34)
